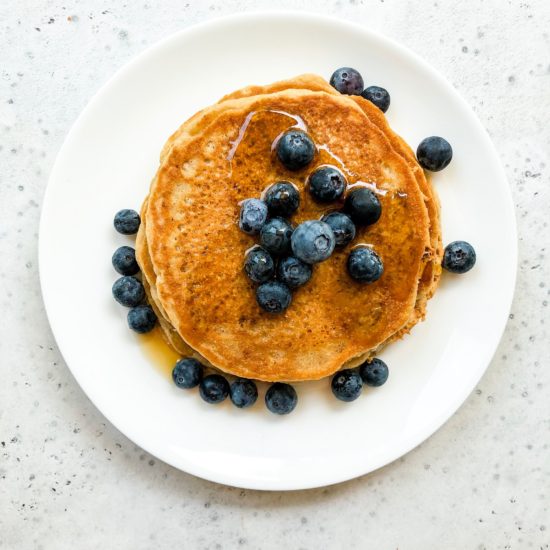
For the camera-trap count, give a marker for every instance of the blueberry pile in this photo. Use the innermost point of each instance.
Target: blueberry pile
(189, 373)
(128, 290)
(283, 259)
(434, 153)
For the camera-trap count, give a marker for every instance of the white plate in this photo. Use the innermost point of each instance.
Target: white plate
(106, 164)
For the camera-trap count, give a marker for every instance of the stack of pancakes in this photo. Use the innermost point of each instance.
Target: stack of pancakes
(191, 251)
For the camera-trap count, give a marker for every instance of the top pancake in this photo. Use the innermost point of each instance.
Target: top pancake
(197, 250)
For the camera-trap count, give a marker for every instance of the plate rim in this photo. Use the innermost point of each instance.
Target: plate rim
(438, 421)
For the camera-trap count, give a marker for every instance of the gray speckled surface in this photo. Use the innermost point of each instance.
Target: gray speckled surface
(70, 480)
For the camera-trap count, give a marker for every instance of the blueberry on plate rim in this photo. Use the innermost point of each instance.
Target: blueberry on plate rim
(214, 388)
(295, 149)
(459, 257)
(434, 153)
(253, 216)
(273, 296)
(142, 319)
(346, 385)
(281, 398)
(364, 265)
(243, 393)
(259, 265)
(127, 221)
(124, 261)
(378, 96)
(128, 291)
(374, 372)
(187, 373)
(313, 241)
(282, 199)
(347, 81)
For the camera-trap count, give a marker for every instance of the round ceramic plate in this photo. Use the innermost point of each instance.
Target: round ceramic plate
(107, 163)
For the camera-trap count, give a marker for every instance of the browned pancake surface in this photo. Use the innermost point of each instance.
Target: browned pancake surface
(197, 251)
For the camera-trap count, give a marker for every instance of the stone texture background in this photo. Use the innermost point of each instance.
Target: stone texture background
(70, 480)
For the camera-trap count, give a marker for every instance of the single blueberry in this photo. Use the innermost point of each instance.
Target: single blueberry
(128, 291)
(142, 319)
(259, 265)
(124, 261)
(275, 236)
(364, 265)
(273, 297)
(253, 216)
(347, 81)
(214, 388)
(127, 221)
(342, 227)
(293, 272)
(374, 373)
(459, 257)
(282, 199)
(313, 241)
(434, 153)
(295, 149)
(346, 385)
(379, 96)
(187, 373)
(281, 398)
(363, 206)
(243, 393)
(326, 184)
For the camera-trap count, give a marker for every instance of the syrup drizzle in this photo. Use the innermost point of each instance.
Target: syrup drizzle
(299, 123)
(372, 186)
(335, 157)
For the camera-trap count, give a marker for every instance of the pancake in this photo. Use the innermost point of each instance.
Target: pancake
(432, 269)
(333, 319)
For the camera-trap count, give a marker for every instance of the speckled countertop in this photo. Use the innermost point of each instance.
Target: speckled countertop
(70, 480)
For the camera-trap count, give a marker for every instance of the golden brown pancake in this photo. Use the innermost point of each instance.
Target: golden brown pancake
(197, 250)
(432, 269)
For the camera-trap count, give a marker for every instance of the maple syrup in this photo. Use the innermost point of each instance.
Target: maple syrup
(161, 355)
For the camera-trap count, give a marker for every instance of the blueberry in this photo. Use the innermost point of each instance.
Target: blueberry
(347, 81)
(313, 241)
(259, 265)
(273, 297)
(127, 222)
(214, 388)
(275, 236)
(295, 149)
(342, 227)
(327, 184)
(374, 373)
(379, 96)
(142, 319)
(253, 216)
(187, 373)
(459, 257)
(128, 291)
(281, 398)
(243, 393)
(124, 261)
(282, 199)
(346, 385)
(363, 206)
(364, 265)
(434, 153)
(293, 272)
